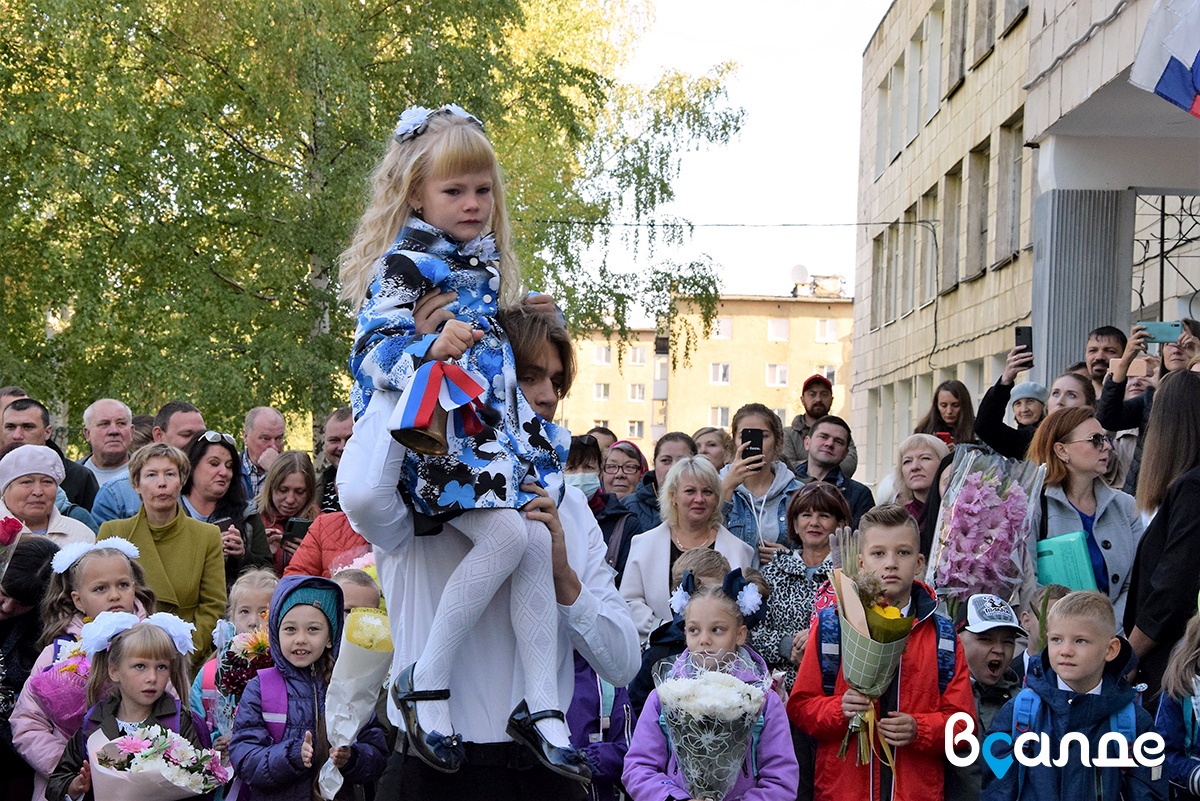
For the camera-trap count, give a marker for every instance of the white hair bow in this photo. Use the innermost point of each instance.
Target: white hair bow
(68, 555)
(97, 635)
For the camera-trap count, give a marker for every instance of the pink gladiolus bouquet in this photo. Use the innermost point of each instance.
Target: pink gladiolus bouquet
(162, 755)
(983, 527)
(61, 689)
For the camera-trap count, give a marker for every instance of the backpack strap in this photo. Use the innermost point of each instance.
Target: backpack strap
(1027, 708)
(947, 650)
(829, 636)
(1043, 524)
(209, 696)
(273, 692)
(755, 739)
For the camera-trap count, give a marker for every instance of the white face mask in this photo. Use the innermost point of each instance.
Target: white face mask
(587, 483)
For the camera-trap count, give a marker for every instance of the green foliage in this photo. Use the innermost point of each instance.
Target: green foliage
(180, 176)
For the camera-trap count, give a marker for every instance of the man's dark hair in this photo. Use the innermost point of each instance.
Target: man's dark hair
(340, 414)
(831, 420)
(13, 391)
(529, 330)
(1109, 332)
(25, 404)
(1076, 367)
(163, 418)
(608, 432)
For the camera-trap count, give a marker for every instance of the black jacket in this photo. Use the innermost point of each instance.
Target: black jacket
(993, 431)
(1117, 414)
(1166, 575)
(80, 483)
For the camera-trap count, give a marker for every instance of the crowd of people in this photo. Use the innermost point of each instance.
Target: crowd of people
(536, 583)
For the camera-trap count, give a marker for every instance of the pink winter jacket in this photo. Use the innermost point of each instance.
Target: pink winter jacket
(35, 737)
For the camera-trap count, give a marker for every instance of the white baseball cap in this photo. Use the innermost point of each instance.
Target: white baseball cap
(987, 612)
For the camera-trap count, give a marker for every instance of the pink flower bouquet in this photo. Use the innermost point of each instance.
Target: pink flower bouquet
(61, 689)
(983, 527)
(153, 763)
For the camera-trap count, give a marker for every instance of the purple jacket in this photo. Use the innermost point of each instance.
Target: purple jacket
(275, 771)
(606, 756)
(652, 772)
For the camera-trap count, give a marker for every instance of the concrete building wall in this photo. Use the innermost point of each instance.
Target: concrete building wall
(944, 255)
(614, 386)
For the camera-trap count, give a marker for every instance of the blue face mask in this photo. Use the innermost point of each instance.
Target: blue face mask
(587, 483)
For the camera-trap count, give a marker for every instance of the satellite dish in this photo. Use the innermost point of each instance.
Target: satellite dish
(799, 274)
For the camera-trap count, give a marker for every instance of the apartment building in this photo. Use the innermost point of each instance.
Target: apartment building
(760, 349)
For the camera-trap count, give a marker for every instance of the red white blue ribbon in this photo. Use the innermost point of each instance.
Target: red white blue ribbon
(444, 383)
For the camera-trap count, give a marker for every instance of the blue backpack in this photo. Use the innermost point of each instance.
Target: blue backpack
(1027, 710)
(829, 637)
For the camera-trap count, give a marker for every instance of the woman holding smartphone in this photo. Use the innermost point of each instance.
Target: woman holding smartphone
(757, 485)
(289, 491)
(215, 493)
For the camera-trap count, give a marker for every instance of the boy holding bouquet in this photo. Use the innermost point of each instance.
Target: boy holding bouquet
(932, 682)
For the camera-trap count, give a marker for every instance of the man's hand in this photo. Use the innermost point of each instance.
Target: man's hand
(456, 337)
(430, 311)
(898, 728)
(541, 302)
(543, 509)
(854, 702)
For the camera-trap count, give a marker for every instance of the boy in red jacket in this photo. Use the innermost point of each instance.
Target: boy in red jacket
(932, 683)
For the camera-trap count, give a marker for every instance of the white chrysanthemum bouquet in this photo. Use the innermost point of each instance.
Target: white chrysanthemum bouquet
(710, 706)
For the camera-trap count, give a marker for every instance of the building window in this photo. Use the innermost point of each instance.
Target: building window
(718, 416)
(777, 329)
(916, 74)
(1013, 11)
(951, 229)
(601, 392)
(777, 375)
(827, 331)
(985, 30)
(722, 328)
(1008, 195)
(896, 142)
(979, 220)
(718, 373)
(829, 371)
(882, 128)
(908, 261)
(933, 60)
(637, 355)
(782, 415)
(637, 392)
(603, 354)
(878, 279)
(600, 424)
(928, 245)
(956, 67)
(637, 429)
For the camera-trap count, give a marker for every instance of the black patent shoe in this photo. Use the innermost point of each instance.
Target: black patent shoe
(444, 752)
(563, 761)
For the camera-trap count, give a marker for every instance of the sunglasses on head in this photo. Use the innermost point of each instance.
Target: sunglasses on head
(585, 439)
(218, 436)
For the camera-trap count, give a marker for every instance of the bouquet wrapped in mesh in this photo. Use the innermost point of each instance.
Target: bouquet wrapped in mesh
(152, 763)
(61, 689)
(873, 637)
(983, 527)
(242, 656)
(710, 706)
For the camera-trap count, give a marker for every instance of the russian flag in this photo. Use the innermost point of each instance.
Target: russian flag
(1168, 60)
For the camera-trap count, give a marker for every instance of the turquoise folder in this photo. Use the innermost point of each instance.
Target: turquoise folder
(1064, 560)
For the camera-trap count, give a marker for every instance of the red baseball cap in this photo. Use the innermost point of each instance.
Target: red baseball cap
(817, 378)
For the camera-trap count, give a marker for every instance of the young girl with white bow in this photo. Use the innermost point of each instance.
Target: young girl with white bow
(435, 195)
(132, 663)
(88, 578)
